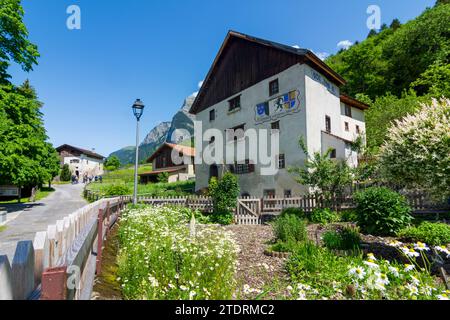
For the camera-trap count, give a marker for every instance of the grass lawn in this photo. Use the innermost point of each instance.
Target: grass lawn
(124, 178)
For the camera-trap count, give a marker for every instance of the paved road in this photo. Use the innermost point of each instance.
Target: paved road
(27, 219)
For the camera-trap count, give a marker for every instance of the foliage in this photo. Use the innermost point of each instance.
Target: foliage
(26, 158)
(348, 215)
(382, 63)
(328, 177)
(323, 216)
(317, 273)
(294, 211)
(417, 150)
(347, 238)
(117, 190)
(112, 163)
(381, 211)
(434, 81)
(163, 177)
(224, 193)
(432, 233)
(15, 45)
(158, 258)
(65, 175)
(289, 228)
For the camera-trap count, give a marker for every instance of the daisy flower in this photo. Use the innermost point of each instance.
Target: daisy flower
(394, 271)
(358, 272)
(421, 246)
(409, 267)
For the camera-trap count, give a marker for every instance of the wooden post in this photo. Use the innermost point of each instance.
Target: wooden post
(99, 241)
(23, 270)
(6, 289)
(108, 219)
(41, 255)
(54, 284)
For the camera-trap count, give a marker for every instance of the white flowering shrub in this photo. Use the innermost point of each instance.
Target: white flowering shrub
(417, 150)
(160, 258)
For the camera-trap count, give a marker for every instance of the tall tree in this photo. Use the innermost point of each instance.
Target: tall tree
(14, 43)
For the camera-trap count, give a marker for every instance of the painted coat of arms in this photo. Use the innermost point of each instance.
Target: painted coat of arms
(278, 107)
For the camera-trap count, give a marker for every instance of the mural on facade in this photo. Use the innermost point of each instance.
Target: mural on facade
(320, 79)
(276, 108)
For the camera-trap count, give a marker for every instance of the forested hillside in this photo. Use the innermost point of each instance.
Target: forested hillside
(398, 67)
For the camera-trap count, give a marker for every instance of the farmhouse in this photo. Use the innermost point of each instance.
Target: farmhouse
(259, 84)
(81, 162)
(179, 168)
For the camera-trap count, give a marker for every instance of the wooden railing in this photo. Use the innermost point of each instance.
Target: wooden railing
(61, 261)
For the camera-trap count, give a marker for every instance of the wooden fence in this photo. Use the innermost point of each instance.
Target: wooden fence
(61, 261)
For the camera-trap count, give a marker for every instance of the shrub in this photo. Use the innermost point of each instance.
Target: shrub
(347, 238)
(163, 177)
(282, 246)
(224, 193)
(159, 260)
(428, 232)
(65, 175)
(348, 216)
(381, 211)
(290, 228)
(117, 190)
(294, 211)
(323, 216)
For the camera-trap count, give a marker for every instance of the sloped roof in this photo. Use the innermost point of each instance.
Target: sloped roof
(184, 150)
(156, 172)
(353, 102)
(81, 150)
(305, 54)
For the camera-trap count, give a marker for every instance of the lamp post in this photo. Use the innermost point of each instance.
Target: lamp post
(138, 110)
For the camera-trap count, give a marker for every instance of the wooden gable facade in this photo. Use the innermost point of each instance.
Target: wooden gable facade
(244, 61)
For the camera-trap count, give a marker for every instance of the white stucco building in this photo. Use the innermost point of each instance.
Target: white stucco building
(254, 83)
(81, 162)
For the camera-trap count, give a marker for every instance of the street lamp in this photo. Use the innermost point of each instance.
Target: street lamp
(138, 110)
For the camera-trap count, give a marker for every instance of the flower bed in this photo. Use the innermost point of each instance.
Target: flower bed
(160, 258)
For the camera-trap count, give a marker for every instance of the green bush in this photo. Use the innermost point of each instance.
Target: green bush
(224, 193)
(163, 177)
(428, 232)
(117, 190)
(323, 216)
(65, 175)
(290, 228)
(381, 211)
(294, 211)
(282, 247)
(347, 238)
(348, 216)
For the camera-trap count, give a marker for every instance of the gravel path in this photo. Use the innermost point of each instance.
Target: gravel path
(31, 218)
(257, 270)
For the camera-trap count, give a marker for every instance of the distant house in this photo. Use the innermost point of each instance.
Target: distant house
(81, 161)
(259, 84)
(162, 161)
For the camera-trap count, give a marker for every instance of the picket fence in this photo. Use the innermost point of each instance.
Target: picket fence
(70, 248)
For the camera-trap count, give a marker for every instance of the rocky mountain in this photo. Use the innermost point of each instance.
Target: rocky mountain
(165, 131)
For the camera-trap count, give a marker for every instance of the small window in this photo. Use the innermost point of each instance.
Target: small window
(269, 193)
(273, 87)
(287, 193)
(328, 124)
(212, 115)
(358, 130)
(333, 154)
(243, 168)
(234, 103)
(236, 133)
(348, 111)
(347, 127)
(275, 125)
(281, 161)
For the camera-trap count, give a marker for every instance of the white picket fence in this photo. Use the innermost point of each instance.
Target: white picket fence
(68, 242)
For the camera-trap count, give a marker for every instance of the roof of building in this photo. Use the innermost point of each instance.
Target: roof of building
(306, 55)
(184, 150)
(169, 170)
(81, 150)
(353, 102)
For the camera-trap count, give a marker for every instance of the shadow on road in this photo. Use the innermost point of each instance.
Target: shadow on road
(14, 207)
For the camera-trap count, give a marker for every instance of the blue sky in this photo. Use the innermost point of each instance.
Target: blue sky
(159, 51)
